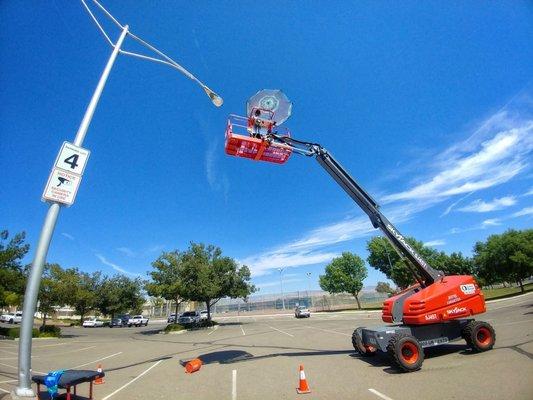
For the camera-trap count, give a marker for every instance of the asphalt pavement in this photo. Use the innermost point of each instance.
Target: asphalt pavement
(252, 357)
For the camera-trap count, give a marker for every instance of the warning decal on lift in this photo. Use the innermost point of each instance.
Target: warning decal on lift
(469, 288)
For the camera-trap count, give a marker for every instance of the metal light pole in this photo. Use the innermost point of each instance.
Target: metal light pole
(281, 286)
(309, 289)
(24, 389)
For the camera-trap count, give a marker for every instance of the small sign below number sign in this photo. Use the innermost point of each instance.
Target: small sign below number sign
(72, 158)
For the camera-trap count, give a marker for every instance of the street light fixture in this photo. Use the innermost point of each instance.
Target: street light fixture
(281, 286)
(23, 389)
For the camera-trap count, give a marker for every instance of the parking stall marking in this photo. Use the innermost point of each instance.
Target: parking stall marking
(234, 384)
(133, 380)
(242, 329)
(279, 330)
(5, 391)
(328, 331)
(384, 397)
(99, 359)
(213, 331)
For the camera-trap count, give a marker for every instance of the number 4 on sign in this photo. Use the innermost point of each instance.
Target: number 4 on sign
(72, 158)
(72, 161)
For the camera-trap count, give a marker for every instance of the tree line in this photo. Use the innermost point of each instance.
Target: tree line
(201, 273)
(503, 258)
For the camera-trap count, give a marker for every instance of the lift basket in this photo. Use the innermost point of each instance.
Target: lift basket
(239, 143)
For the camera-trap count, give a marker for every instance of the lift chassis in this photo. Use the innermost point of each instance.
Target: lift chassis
(434, 311)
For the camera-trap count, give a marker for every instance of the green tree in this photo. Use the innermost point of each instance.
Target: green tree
(167, 278)
(457, 264)
(505, 257)
(383, 257)
(344, 274)
(12, 279)
(51, 290)
(120, 294)
(384, 287)
(80, 290)
(208, 276)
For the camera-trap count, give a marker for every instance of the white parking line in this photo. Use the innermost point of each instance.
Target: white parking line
(242, 329)
(328, 331)
(133, 380)
(234, 384)
(9, 381)
(279, 330)
(7, 365)
(8, 352)
(213, 331)
(379, 394)
(5, 391)
(99, 359)
(50, 345)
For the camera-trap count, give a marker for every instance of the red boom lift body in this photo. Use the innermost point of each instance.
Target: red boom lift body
(434, 311)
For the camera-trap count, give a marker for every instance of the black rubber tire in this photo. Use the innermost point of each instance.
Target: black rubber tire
(358, 345)
(479, 336)
(405, 352)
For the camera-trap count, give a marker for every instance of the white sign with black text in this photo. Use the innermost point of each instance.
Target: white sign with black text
(72, 158)
(62, 187)
(65, 177)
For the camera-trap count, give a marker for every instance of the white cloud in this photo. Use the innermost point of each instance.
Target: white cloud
(529, 192)
(216, 181)
(67, 236)
(491, 222)
(522, 212)
(434, 243)
(494, 162)
(452, 206)
(481, 206)
(116, 267)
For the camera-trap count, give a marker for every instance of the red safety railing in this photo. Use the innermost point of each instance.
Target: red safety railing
(240, 143)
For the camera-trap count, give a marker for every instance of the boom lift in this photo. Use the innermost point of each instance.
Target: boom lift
(434, 311)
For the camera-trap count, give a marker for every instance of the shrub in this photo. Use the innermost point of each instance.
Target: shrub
(49, 331)
(14, 333)
(174, 327)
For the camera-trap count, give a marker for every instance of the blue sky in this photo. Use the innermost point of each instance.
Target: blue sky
(429, 106)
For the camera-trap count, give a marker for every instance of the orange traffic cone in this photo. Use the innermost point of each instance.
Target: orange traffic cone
(100, 379)
(193, 366)
(304, 387)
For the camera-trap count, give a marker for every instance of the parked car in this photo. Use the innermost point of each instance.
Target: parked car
(12, 318)
(190, 317)
(172, 318)
(138, 320)
(302, 312)
(120, 321)
(203, 315)
(92, 323)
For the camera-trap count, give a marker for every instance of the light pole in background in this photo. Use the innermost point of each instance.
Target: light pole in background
(309, 290)
(23, 389)
(281, 286)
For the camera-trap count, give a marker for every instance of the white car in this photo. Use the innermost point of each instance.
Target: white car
(203, 315)
(302, 312)
(92, 323)
(138, 320)
(12, 318)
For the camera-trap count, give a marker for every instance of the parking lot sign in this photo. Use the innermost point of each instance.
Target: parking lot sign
(65, 177)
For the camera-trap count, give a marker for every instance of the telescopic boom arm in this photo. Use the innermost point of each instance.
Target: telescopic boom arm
(425, 274)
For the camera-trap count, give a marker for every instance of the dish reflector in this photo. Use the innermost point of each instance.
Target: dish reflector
(271, 100)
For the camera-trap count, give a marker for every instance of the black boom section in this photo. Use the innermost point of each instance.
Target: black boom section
(371, 208)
